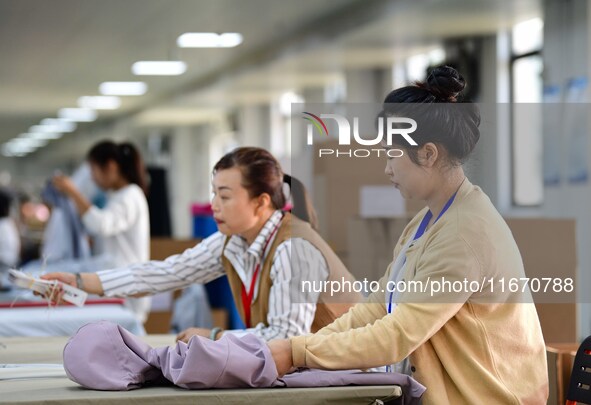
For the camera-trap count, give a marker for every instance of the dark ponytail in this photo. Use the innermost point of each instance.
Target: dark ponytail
(302, 205)
(132, 165)
(5, 202)
(443, 116)
(126, 156)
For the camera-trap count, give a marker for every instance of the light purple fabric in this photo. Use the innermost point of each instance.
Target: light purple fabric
(105, 356)
(305, 378)
(230, 362)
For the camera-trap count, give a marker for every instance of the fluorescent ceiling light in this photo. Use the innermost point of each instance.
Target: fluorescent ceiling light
(286, 100)
(27, 143)
(209, 40)
(54, 125)
(9, 151)
(14, 148)
(100, 102)
(41, 135)
(159, 68)
(21, 146)
(123, 88)
(230, 39)
(78, 114)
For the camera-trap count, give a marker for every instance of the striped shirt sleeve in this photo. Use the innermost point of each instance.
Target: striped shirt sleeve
(291, 310)
(199, 264)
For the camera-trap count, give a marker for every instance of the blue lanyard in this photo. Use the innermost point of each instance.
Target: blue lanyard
(421, 230)
(429, 215)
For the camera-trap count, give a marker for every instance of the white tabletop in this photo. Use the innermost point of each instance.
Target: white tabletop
(63, 321)
(43, 381)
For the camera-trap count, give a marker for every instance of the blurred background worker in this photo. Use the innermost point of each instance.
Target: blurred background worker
(123, 225)
(9, 236)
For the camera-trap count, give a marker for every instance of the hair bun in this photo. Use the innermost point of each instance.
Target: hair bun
(445, 83)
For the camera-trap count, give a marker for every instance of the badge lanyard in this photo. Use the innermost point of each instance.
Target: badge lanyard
(420, 231)
(247, 297)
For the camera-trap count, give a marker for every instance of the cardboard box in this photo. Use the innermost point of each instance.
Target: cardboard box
(338, 185)
(161, 248)
(548, 249)
(159, 318)
(159, 321)
(380, 202)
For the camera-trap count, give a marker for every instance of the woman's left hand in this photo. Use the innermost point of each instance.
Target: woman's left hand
(188, 333)
(281, 351)
(64, 184)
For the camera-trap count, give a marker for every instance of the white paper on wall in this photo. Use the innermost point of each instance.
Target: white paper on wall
(380, 201)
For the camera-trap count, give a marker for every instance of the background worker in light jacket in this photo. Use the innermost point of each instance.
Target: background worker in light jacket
(265, 252)
(123, 224)
(10, 243)
(465, 347)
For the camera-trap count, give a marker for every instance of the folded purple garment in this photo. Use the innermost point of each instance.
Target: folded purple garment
(104, 356)
(230, 362)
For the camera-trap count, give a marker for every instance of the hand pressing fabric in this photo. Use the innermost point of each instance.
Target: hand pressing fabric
(281, 352)
(188, 333)
(104, 356)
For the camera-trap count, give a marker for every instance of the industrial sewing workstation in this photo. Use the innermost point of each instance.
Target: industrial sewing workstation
(345, 201)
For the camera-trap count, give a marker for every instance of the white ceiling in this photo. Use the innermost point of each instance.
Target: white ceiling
(53, 52)
(56, 51)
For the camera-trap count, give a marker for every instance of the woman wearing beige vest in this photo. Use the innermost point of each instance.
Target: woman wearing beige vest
(265, 252)
(467, 345)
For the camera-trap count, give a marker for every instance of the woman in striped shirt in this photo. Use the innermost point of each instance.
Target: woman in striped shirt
(265, 252)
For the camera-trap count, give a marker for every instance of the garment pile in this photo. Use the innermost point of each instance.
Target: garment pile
(105, 356)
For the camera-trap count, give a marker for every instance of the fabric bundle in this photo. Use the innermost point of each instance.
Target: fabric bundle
(105, 356)
(64, 223)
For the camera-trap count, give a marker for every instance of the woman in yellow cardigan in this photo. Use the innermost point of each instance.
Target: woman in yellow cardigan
(466, 346)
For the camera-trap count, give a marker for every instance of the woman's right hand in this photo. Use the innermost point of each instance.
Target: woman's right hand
(64, 184)
(57, 292)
